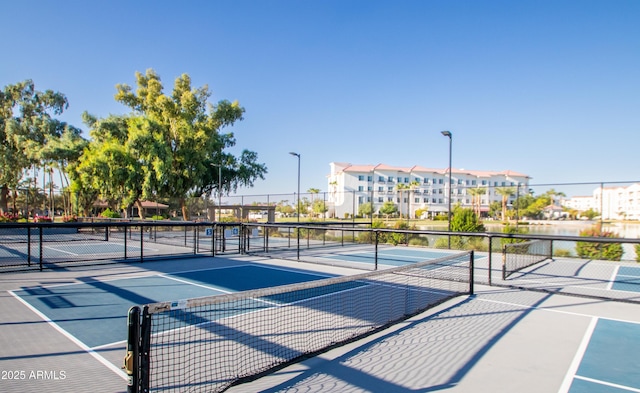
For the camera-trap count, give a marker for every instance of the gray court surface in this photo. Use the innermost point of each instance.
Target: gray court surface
(499, 340)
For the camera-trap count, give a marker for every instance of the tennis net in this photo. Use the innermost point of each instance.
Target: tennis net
(517, 256)
(209, 344)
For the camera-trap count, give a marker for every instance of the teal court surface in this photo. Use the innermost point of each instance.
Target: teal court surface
(65, 330)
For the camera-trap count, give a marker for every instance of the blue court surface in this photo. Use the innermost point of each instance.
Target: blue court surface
(54, 250)
(608, 362)
(95, 312)
(394, 256)
(627, 278)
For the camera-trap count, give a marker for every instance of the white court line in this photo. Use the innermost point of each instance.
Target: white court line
(62, 251)
(71, 337)
(614, 385)
(612, 280)
(193, 283)
(577, 359)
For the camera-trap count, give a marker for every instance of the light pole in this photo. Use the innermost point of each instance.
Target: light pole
(298, 201)
(450, 136)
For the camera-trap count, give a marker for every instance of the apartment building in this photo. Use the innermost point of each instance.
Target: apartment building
(618, 203)
(415, 188)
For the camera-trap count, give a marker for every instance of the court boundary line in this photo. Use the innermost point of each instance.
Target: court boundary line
(72, 338)
(605, 383)
(612, 279)
(578, 357)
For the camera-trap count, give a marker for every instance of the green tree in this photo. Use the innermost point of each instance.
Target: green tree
(552, 194)
(26, 125)
(465, 220)
(313, 192)
(590, 214)
(476, 198)
(388, 208)
(174, 141)
(365, 209)
(401, 188)
(319, 207)
(505, 192)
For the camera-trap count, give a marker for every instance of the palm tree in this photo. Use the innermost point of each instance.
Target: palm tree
(411, 186)
(506, 192)
(313, 192)
(400, 188)
(553, 193)
(476, 194)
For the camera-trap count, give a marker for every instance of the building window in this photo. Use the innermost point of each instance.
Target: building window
(406, 180)
(389, 199)
(380, 189)
(426, 181)
(360, 188)
(369, 188)
(439, 200)
(399, 179)
(360, 200)
(426, 200)
(440, 191)
(390, 179)
(434, 200)
(484, 182)
(381, 179)
(417, 200)
(460, 181)
(380, 199)
(473, 182)
(503, 184)
(361, 177)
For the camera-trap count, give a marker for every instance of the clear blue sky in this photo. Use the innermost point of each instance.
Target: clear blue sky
(546, 88)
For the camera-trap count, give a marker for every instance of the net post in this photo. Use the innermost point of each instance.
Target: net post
(551, 249)
(145, 349)
(471, 269)
(132, 357)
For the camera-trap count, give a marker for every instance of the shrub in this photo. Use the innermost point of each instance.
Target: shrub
(9, 217)
(42, 219)
(419, 241)
(637, 247)
(605, 251)
(563, 253)
(72, 218)
(108, 213)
